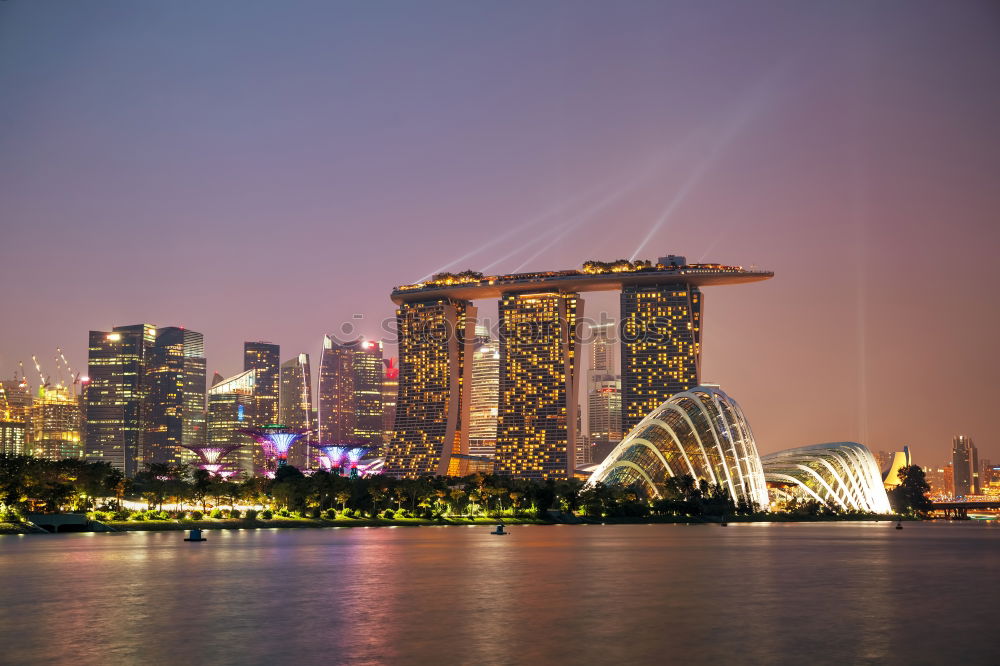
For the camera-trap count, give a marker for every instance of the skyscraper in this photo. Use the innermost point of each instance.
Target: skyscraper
(390, 387)
(177, 385)
(484, 406)
(264, 357)
(337, 417)
(368, 374)
(55, 424)
(604, 414)
(661, 345)
(295, 408)
(965, 462)
(15, 416)
(538, 368)
(432, 408)
(296, 393)
(604, 394)
(231, 404)
(117, 406)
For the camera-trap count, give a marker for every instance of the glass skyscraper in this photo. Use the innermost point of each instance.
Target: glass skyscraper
(295, 407)
(177, 384)
(264, 357)
(483, 408)
(965, 466)
(369, 373)
(118, 367)
(336, 402)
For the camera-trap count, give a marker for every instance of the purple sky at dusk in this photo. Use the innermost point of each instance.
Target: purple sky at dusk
(266, 170)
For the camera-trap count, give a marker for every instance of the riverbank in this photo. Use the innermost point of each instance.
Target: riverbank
(561, 519)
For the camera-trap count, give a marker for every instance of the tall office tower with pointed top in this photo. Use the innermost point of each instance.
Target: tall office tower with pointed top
(336, 402)
(295, 406)
(661, 345)
(537, 410)
(483, 409)
(432, 408)
(965, 466)
(117, 396)
(177, 385)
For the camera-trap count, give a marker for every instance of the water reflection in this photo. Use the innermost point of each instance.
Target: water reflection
(832, 593)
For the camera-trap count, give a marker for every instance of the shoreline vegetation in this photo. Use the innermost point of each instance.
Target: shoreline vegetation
(95, 495)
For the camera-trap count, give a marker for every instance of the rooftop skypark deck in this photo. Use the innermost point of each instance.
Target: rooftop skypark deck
(593, 276)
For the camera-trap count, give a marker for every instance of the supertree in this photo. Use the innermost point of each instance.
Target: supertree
(342, 458)
(275, 440)
(211, 456)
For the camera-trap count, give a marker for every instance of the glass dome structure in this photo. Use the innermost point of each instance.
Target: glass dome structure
(843, 475)
(701, 432)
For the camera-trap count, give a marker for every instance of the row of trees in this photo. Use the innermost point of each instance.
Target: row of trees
(34, 484)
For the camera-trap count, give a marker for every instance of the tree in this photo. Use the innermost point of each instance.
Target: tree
(910, 496)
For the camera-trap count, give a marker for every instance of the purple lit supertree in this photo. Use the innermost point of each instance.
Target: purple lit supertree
(275, 440)
(341, 458)
(211, 456)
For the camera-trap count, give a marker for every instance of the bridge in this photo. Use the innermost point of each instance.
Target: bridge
(67, 522)
(961, 509)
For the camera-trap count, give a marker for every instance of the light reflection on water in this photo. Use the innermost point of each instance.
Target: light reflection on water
(779, 593)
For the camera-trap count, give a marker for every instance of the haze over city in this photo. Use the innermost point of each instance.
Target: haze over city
(256, 171)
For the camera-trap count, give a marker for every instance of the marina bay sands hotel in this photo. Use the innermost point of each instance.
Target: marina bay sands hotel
(660, 330)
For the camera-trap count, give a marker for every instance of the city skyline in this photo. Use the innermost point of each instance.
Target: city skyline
(831, 147)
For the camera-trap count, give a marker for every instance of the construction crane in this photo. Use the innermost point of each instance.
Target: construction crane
(74, 379)
(41, 377)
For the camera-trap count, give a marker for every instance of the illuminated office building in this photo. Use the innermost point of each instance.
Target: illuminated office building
(13, 437)
(55, 424)
(337, 416)
(435, 351)
(537, 408)
(264, 357)
(177, 383)
(390, 387)
(604, 414)
(965, 462)
(230, 411)
(15, 401)
(661, 345)
(368, 374)
(483, 408)
(15, 416)
(295, 405)
(117, 396)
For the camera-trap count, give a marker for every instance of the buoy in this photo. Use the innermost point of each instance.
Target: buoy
(195, 535)
(899, 525)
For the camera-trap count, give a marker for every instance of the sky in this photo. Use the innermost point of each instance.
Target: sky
(270, 170)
